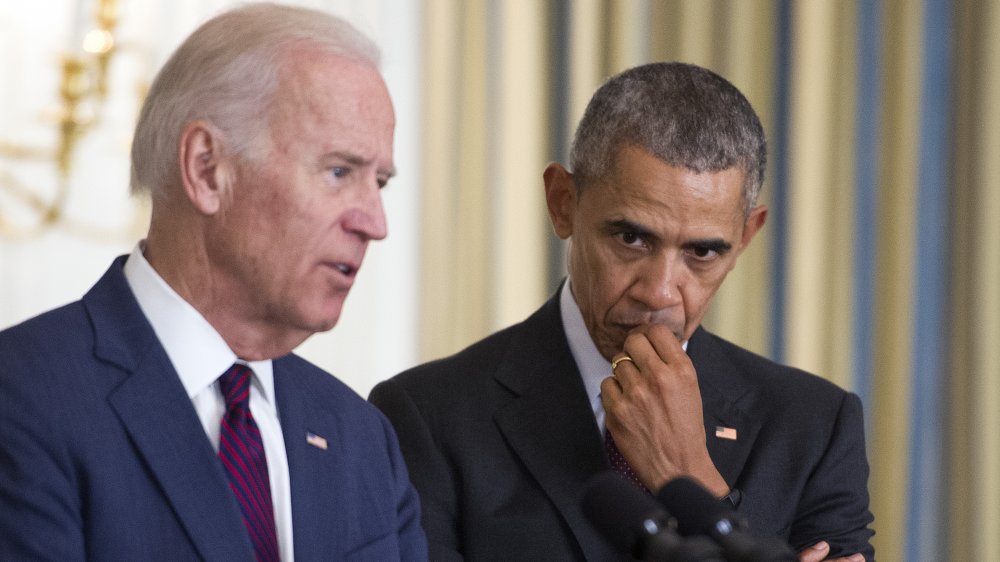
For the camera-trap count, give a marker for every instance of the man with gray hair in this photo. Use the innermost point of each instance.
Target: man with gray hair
(164, 416)
(615, 370)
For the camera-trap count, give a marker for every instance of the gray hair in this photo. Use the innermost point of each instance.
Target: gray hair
(226, 73)
(683, 114)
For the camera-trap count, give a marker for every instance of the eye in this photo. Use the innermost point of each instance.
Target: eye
(339, 171)
(703, 253)
(632, 239)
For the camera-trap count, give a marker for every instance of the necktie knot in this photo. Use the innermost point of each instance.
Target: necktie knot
(235, 386)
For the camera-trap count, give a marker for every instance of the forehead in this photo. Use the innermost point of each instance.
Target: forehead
(645, 189)
(318, 90)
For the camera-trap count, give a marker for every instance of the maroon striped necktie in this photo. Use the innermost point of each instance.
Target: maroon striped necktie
(620, 463)
(241, 451)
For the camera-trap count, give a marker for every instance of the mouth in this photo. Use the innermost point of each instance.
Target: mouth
(626, 329)
(347, 269)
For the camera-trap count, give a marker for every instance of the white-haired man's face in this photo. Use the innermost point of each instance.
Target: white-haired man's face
(296, 231)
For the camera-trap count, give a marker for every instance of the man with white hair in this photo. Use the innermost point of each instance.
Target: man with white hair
(164, 416)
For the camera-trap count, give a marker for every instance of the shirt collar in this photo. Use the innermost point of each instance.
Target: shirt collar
(196, 350)
(593, 367)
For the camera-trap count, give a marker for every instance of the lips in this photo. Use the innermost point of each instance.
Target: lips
(625, 329)
(347, 269)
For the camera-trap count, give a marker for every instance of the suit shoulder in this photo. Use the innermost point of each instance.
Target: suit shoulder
(46, 336)
(324, 386)
(776, 378)
(314, 377)
(463, 367)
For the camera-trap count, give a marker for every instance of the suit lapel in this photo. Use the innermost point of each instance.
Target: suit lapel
(723, 392)
(313, 471)
(161, 421)
(549, 425)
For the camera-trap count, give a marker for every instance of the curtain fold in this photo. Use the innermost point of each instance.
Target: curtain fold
(973, 471)
(484, 250)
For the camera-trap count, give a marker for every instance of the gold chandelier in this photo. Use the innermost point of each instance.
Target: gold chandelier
(83, 89)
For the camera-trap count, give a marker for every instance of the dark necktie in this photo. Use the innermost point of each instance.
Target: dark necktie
(241, 451)
(619, 463)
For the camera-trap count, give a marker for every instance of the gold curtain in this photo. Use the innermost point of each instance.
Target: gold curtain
(484, 220)
(973, 513)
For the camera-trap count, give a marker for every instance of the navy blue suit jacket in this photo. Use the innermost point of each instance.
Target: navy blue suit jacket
(501, 441)
(102, 456)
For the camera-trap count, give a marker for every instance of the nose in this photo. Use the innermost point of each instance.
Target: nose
(367, 218)
(658, 286)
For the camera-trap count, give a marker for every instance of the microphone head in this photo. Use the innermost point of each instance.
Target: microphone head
(696, 510)
(622, 513)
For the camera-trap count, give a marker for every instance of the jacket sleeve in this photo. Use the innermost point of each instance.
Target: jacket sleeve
(410, 534)
(834, 506)
(39, 502)
(429, 471)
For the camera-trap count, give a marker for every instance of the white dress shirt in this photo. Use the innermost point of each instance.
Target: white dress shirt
(200, 356)
(593, 367)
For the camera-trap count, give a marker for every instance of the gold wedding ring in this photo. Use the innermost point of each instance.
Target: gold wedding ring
(614, 364)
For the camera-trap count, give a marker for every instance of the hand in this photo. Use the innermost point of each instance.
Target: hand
(653, 411)
(818, 552)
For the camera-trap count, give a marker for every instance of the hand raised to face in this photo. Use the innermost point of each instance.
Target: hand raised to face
(654, 412)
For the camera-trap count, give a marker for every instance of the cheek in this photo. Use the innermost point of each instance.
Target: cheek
(615, 284)
(699, 292)
(599, 280)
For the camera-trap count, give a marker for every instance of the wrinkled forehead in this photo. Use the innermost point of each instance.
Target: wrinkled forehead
(649, 191)
(330, 98)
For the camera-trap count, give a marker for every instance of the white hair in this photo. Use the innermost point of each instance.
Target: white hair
(226, 73)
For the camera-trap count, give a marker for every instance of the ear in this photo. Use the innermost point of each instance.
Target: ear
(753, 224)
(560, 197)
(204, 168)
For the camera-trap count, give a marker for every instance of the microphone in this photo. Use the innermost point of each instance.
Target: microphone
(698, 512)
(639, 526)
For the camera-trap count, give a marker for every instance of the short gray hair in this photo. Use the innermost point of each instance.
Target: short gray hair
(226, 72)
(683, 114)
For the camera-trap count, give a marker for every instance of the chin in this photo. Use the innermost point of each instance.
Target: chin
(328, 323)
(609, 347)
(321, 323)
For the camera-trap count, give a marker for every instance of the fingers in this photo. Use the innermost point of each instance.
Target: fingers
(815, 553)
(621, 357)
(818, 552)
(647, 349)
(663, 342)
(611, 391)
(627, 366)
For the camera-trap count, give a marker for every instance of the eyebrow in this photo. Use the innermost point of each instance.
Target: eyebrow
(627, 225)
(715, 244)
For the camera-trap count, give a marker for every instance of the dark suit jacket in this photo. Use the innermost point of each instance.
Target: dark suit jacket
(500, 440)
(102, 456)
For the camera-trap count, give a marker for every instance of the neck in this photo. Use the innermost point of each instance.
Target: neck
(183, 263)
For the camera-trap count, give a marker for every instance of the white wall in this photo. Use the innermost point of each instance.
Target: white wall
(376, 336)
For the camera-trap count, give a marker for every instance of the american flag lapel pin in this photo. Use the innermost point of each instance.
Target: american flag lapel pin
(725, 432)
(316, 440)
